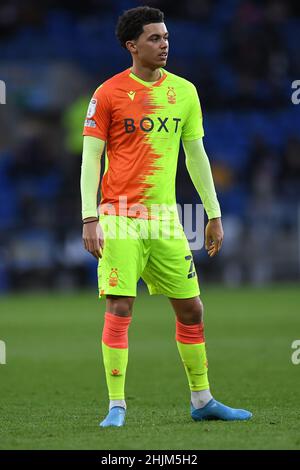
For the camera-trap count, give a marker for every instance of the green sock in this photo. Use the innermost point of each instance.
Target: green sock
(194, 360)
(115, 363)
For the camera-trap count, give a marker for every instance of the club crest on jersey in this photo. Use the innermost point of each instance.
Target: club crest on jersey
(171, 95)
(92, 108)
(113, 277)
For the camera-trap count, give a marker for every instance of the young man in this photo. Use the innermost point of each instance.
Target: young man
(141, 114)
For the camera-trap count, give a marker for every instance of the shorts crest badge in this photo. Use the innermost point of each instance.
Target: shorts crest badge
(113, 277)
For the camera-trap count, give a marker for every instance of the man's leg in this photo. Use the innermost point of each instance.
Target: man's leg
(191, 346)
(119, 270)
(115, 355)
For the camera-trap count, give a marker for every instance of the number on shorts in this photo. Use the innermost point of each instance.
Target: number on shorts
(192, 272)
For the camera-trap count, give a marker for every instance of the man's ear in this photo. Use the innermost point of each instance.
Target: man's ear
(131, 46)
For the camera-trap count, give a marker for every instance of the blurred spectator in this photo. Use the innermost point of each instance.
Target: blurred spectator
(290, 170)
(261, 170)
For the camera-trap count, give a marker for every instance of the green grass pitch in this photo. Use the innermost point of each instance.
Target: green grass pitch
(53, 391)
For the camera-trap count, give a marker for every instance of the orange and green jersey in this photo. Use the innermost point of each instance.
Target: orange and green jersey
(142, 124)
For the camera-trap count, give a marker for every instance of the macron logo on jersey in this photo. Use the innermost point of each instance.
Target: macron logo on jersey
(147, 124)
(131, 95)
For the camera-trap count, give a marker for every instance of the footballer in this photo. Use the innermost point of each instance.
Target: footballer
(139, 117)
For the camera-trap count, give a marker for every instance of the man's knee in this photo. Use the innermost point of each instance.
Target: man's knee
(189, 311)
(201, 310)
(121, 306)
(196, 310)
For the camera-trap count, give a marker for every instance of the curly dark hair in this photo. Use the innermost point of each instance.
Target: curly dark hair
(130, 23)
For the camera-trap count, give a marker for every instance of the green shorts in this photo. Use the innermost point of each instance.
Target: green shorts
(154, 250)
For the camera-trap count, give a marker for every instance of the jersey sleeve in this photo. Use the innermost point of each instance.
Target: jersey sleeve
(98, 115)
(193, 126)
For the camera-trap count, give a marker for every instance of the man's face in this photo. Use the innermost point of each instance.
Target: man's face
(152, 46)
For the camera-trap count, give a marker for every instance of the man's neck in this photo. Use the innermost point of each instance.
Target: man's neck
(146, 74)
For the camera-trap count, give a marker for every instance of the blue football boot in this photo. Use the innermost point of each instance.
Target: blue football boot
(115, 417)
(216, 410)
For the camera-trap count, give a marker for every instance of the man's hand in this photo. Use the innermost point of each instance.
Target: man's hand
(93, 239)
(213, 236)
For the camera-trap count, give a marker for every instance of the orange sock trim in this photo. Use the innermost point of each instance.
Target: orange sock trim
(190, 334)
(115, 331)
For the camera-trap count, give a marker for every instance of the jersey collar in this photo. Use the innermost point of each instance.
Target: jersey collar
(148, 84)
